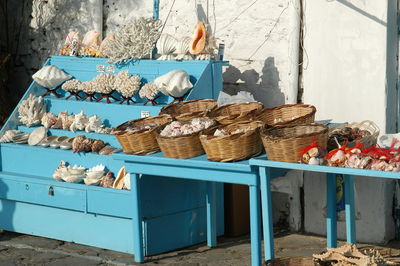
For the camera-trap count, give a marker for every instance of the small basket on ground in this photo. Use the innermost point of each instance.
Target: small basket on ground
(287, 114)
(365, 132)
(235, 112)
(138, 136)
(183, 146)
(242, 141)
(189, 109)
(284, 143)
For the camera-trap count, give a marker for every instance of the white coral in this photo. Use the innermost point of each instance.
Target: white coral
(135, 40)
(104, 83)
(149, 91)
(31, 110)
(125, 84)
(95, 124)
(87, 87)
(71, 85)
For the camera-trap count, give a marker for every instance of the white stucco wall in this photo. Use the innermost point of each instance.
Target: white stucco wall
(349, 75)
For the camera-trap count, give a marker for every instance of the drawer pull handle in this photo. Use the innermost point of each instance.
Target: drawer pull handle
(27, 187)
(51, 191)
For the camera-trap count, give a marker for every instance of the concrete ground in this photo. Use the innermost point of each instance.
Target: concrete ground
(19, 249)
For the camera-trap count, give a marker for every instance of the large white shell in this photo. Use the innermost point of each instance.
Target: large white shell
(31, 110)
(166, 46)
(182, 49)
(37, 136)
(50, 76)
(174, 83)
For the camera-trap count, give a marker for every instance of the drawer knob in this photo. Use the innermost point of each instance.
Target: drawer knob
(51, 191)
(27, 187)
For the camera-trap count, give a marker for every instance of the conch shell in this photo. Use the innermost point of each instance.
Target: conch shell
(50, 76)
(199, 38)
(174, 83)
(166, 46)
(182, 49)
(123, 179)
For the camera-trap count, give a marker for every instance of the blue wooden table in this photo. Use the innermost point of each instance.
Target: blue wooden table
(198, 168)
(265, 168)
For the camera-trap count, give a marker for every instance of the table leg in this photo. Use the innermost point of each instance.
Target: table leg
(331, 216)
(350, 212)
(266, 201)
(137, 219)
(211, 215)
(255, 225)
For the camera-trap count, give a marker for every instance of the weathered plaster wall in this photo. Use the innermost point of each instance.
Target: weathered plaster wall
(350, 75)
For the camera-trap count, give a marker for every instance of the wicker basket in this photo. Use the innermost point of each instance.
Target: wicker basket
(288, 114)
(367, 141)
(186, 146)
(143, 141)
(235, 112)
(284, 143)
(233, 147)
(189, 109)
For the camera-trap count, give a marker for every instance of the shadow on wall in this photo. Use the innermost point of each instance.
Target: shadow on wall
(265, 88)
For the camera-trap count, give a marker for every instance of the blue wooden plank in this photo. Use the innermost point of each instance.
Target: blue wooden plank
(137, 228)
(266, 199)
(331, 216)
(255, 225)
(324, 169)
(350, 209)
(211, 215)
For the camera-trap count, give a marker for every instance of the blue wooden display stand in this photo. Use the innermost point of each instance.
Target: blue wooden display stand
(173, 211)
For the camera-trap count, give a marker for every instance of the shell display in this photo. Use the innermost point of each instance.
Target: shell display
(174, 83)
(9, 135)
(166, 46)
(48, 120)
(50, 76)
(79, 123)
(177, 128)
(199, 39)
(107, 180)
(71, 85)
(182, 49)
(135, 40)
(125, 84)
(104, 83)
(149, 91)
(87, 87)
(37, 136)
(31, 110)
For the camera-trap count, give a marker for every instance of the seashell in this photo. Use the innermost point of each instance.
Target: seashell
(79, 122)
(59, 122)
(166, 46)
(80, 145)
(119, 180)
(67, 121)
(94, 124)
(149, 91)
(127, 181)
(76, 170)
(50, 76)
(174, 83)
(57, 175)
(48, 120)
(199, 39)
(182, 49)
(91, 39)
(20, 138)
(66, 144)
(56, 143)
(107, 150)
(37, 136)
(106, 41)
(73, 174)
(31, 110)
(97, 145)
(107, 180)
(94, 175)
(9, 135)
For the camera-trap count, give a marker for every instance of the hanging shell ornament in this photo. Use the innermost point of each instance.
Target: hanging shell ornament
(199, 39)
(31, 110)
(182, 49)
(175, 83)
(166, 46)
(50, 76)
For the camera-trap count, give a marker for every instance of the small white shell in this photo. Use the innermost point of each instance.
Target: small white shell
(174, 83)
(50, 76)
(166, 46)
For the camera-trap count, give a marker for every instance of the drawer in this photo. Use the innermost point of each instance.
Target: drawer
(48, 195)
(110, 202)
